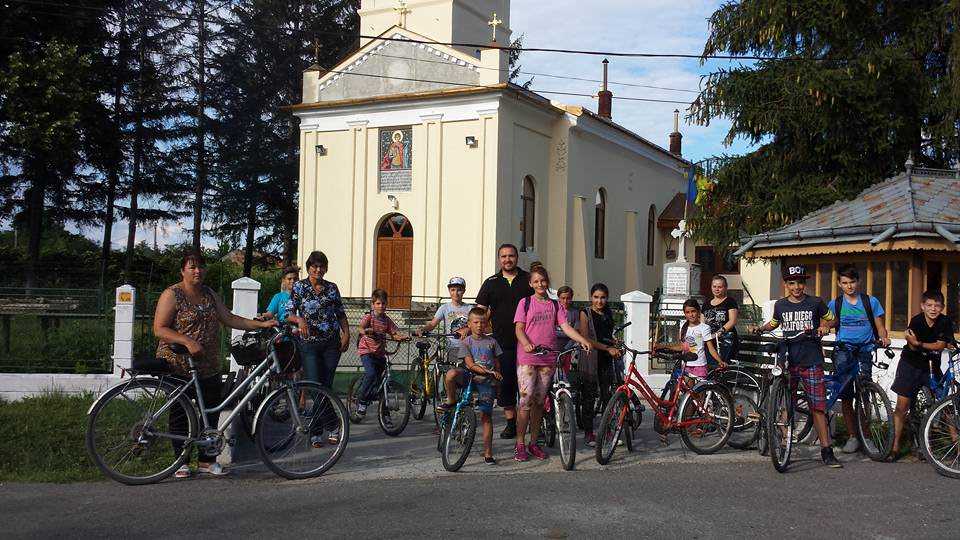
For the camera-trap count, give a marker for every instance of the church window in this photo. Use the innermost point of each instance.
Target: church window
(527, 228)
(651, 230)
(600, 223)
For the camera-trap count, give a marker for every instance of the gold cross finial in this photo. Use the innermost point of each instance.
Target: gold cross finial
(402, 11)
(494, 23)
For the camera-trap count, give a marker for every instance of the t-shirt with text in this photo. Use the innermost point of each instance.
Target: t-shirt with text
(483, 350)
(541, 319)
(375, 345)
(795, 318)
(454, 318)
(855, 326)
(696, 338)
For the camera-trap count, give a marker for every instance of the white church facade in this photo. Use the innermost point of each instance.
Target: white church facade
(418, 159)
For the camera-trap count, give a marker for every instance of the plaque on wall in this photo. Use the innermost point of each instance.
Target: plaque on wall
(395, 171)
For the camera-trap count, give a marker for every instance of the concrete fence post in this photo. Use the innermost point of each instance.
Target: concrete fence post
(246, 292)
(124, 311)
(636, 305)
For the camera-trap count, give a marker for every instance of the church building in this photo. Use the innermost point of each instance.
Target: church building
(418, 158)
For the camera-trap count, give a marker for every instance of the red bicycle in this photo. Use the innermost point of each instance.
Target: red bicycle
(699, 409)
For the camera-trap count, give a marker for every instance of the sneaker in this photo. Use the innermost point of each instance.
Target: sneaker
(520, 453)
(183, 472)
(509, 432)
(445, 407)
(853, 444)
(213, 469)
(826, 454)
(316, 441)
(488, 460)
(590, 439)
(537, 452)
(334, 438)
(387, 421)
(361, 410)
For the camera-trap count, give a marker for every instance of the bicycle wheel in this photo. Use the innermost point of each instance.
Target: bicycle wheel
(875, 421)
(941, 436)
(780, 424)
(353, 399)
(566, 429)
(393, 413)
(418, 390)
(709, 415)
(919, 407)
(249, 412)
(297, 450)
(548, 426)
(746, 422)
(458, 437)
(129, 442)
(611, 426)
(802, 420)
(762, 440)
(439, 394)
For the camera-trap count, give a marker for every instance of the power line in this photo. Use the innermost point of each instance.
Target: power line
(351, 35)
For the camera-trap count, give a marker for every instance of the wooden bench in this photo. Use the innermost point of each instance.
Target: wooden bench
(43, 306)
(753, 355)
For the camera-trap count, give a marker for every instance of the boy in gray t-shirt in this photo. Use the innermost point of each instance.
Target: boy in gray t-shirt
(453, 315)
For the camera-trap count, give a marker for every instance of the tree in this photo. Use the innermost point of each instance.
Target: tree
(850, 90)
(42, 97)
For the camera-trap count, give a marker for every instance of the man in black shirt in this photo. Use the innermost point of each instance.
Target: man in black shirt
(927, 335)
(500, 294)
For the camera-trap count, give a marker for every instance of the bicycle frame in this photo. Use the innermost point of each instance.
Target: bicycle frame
(635, 383)
(834, 389)
(941, 388)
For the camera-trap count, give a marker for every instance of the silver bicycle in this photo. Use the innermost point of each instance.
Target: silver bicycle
(142, 430)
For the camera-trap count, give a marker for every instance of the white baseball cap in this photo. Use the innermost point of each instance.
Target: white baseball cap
(457, 281)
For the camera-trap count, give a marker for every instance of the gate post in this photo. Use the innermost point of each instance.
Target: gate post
(124, 311)
(246, 292)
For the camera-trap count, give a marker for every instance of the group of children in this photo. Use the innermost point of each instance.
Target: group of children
(708, 334)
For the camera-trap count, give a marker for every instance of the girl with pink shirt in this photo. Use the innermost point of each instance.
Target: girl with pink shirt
(536, 320)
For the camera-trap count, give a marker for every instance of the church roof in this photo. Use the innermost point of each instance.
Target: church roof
(918, 203)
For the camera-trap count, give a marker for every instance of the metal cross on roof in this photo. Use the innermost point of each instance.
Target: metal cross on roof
(402, 11)
(494, 23)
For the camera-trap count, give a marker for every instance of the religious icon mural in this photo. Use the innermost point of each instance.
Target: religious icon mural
(396, 157)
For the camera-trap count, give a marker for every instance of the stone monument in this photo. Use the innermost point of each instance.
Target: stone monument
(681, 280)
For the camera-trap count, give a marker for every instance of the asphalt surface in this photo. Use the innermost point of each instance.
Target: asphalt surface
(396, 487)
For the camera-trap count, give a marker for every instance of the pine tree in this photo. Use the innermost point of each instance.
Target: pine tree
(853, 89)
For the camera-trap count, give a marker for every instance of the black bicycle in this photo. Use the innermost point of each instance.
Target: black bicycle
(393, 409)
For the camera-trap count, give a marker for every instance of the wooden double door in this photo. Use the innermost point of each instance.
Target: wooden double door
(394, 267)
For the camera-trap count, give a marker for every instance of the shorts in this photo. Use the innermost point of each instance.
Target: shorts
(813, 385)
(696, 371)
(845, 358)
(508, 386)
(484, 391)
(910, 378)
(534, 381)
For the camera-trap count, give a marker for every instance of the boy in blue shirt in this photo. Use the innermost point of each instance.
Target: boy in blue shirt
(859, 321)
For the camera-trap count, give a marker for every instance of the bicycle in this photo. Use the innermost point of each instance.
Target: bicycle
(427, 373)
(287, 350)
(393, 399)
(559, 412)
(458, 427)
(745, 391)
(129, 424)
(705, 409)
(939, 435)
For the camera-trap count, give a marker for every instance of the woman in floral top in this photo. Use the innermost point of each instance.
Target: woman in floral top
(316, 307)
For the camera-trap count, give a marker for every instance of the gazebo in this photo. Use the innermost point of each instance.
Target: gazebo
(902, 234)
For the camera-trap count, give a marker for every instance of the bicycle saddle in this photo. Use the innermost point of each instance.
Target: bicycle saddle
(423, 345)
(149, 364)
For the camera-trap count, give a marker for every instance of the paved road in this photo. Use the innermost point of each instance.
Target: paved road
(397, 488)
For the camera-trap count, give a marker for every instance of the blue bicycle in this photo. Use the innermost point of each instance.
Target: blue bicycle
(873, 409)
(458, 427)
(939, 434)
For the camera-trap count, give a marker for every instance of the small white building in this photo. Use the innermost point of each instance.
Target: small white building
(418, 159)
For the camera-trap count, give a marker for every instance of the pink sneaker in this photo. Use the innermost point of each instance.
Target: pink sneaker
(536, 451)
(520, 453)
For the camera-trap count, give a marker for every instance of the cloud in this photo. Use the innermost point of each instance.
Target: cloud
(655, 26)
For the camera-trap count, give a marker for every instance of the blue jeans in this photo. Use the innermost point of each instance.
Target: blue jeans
(320, 360)
(845, 358)
(373, 367)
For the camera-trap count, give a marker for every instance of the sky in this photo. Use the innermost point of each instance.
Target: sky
(650, 26)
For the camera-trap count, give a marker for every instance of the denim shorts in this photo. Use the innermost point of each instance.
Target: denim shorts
(845, 358)
(485, 392)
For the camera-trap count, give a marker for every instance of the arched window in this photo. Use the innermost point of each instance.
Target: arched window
(600, 223)
(527, 223)
(651, 228)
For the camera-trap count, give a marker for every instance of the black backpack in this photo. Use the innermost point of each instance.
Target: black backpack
(867, 306)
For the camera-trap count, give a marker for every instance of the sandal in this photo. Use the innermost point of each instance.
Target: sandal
(213, 469)
(183, 472)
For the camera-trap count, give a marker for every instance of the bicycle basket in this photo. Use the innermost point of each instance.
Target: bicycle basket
(248, 349)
